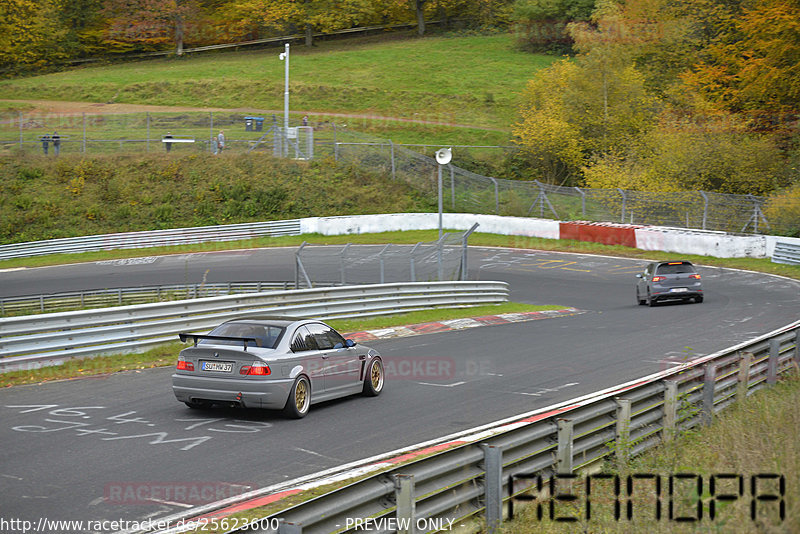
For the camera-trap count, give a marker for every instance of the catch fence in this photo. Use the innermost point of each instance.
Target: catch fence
(464, 191)
(468, 192)
(443, 259)
(174, 133)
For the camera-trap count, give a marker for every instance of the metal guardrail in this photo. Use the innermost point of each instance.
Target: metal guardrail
(129, 296)
(477, 477)
(38, 340)
(786, 252)
(154, 238)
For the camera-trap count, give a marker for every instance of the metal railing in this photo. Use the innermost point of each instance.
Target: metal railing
(128, 296)
(153, 238)
(479, 476)
(444, 259)
(34, 341)
(786, 252)
(467, 191)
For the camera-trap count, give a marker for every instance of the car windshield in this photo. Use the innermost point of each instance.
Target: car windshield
(266, 336)
(675, 268)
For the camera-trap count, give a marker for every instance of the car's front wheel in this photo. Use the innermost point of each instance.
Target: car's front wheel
(299, 400)
(373, 381)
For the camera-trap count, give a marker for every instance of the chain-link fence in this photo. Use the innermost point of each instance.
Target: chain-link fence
(444, 259)
(465, 191)
(181, 133)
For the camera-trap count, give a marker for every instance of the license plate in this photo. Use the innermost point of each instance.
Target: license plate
(222, 367)
(679, 289)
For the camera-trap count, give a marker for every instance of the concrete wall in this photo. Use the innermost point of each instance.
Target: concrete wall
(492, 224)
(655, 238)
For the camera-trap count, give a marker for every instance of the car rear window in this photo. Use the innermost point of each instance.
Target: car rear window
(266, 336)
(675, 268)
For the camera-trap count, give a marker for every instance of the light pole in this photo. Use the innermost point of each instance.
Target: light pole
(285, 57)
(443, 157)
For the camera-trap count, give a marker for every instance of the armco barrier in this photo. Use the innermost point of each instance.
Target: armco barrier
(677, 240)
(121, 296)
(477, 474)
(155, 238)
(36, 340)
(786, 252)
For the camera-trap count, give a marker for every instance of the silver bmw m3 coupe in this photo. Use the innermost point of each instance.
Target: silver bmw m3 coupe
(278, 363)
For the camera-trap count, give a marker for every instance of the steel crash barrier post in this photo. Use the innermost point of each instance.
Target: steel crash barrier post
(670, 408)
(289, 528)
(406, 509)
(744, 375)
(564, 451)
(493, 486)
(797, 347)
(623, 430)
(709, 384)
(772, 362)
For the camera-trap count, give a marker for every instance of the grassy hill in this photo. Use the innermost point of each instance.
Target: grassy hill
(457, 80)
(468, 80)
(44, 198)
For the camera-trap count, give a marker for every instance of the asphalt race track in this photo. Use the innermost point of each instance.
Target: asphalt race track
(121, 446)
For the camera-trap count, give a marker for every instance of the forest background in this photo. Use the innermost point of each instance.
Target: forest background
(656, 95)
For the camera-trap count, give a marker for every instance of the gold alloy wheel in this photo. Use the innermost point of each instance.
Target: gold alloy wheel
(376, 376)
(300, 395)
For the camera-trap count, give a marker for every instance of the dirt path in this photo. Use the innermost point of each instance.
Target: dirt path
(98, 108)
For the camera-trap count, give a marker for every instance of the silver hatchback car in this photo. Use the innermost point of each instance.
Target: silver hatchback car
(668, 280)
(281, 363)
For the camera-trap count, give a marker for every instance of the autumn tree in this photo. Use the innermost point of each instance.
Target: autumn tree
(30, 34)
(148, 24)
(580, 109)
(541, 25)
(753, 66)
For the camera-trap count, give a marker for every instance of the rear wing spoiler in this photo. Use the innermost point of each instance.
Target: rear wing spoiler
(198, 337)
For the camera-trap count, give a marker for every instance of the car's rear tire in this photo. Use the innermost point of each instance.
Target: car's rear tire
(639, 300)
(650, 300)
(698, 300)
(299, 400)
(374, 378)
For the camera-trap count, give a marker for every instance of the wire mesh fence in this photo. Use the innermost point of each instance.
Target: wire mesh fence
(465, 191)
(444, 259)
(190, 132)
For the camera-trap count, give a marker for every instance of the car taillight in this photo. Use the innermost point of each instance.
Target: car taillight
(183, 365)
(659, 278)
(257, 369)
(695, 276)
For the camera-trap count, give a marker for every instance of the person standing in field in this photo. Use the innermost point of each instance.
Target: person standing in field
(220, 141)
(45, 143)
(56, 143)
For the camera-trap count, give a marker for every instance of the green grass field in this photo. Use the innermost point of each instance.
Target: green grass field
(474, 80)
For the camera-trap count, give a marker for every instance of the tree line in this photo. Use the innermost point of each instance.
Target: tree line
(671, 95)
(35, 34)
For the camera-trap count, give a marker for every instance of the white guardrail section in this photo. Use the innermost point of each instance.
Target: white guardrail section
(474, 481)
(155, 238)
(34, 341)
